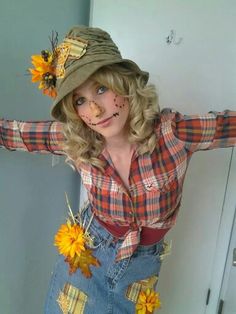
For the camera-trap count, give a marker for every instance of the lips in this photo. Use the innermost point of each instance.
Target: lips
(103, 121)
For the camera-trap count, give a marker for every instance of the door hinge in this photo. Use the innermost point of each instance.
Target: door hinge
(221, 306)
(208, 296)
(234, 257)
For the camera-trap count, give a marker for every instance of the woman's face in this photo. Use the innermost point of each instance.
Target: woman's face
(101, 109)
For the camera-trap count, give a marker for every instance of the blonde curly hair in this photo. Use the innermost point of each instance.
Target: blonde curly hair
(84, 145)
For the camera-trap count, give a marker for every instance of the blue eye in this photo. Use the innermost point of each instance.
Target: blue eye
(102, 89)
(79, 101)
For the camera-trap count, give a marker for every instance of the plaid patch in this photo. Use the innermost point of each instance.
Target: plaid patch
(166, 249)
(132, 293)
(71, 300)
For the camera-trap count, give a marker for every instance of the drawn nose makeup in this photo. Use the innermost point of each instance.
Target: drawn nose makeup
(96, 110)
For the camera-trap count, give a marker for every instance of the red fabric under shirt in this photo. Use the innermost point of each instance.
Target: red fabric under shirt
(148, 235)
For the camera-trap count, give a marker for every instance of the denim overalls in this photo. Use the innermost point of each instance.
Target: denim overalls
(113, 287)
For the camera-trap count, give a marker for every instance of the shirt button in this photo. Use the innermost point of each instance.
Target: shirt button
(148, 187)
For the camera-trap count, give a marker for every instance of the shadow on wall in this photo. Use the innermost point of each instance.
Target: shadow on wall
(32, 191)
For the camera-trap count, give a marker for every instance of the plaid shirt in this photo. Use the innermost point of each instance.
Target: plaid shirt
(156, 180)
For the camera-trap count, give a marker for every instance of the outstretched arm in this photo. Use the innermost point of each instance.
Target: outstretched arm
(33, 136)
(204, 132)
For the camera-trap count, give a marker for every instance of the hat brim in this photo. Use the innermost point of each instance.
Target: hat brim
(78, 76)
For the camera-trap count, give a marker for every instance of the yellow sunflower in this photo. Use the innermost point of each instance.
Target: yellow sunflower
(44, 72)
(147, 302)
(51, 92)
(41, 67)
(70, 240)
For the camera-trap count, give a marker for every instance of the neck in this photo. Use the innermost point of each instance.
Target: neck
(117, 146)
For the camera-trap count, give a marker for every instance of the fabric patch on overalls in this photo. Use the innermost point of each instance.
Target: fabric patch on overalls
(71, 300)
(166, 249)
(133, 291)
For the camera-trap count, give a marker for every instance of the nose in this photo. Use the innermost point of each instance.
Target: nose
(95, 109)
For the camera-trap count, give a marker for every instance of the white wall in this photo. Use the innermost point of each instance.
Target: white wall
(195, 76)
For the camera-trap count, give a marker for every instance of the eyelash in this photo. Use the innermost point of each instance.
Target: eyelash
(83, 99)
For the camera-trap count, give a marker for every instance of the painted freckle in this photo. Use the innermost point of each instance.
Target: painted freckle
(86, 117)
(89, 121)
(116, 105)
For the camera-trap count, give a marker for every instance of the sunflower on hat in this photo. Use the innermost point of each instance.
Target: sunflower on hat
(44, 72)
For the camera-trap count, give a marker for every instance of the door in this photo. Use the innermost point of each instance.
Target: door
(227, 302)
(222, 288)
(227, 297)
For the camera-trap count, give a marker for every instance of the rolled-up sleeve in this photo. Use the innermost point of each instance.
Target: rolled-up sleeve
(32, 136)
(206, 131)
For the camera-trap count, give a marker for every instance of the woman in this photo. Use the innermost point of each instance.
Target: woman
(132, 159)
